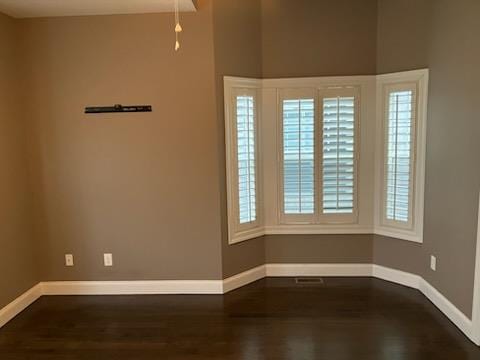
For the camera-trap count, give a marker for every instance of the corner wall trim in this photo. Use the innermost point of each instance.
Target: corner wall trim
(19, 304)
(234, 282)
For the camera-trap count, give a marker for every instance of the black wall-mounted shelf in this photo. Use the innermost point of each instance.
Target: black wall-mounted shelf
(117, 109)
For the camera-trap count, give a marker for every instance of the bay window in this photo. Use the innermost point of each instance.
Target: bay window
(333, 155)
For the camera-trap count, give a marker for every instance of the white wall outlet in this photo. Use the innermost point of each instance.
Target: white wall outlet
(433, 263)
(108, 259)
(68, 260)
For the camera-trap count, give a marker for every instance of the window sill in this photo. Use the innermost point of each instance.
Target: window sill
(246, 235)
(399, 234)
(299, 230)
(317, 229)
(353, 229)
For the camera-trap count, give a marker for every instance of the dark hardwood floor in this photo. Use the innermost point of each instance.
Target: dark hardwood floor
(274, 318)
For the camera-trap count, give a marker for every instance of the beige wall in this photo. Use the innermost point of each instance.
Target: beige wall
(401, 47)
(398, 254)
(305, 249)
(238, 52)
(318, 37)
(145, 186)
(17, 261)
(442, 35)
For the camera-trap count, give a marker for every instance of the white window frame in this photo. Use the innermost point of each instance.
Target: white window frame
(418, 82)
(363, 224)
(235, 87)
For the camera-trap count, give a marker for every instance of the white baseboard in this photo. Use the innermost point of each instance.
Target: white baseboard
(237, 281)
(19, 304)
(396, 276)
(183, 287)
(277, 270)
(448, 309)
(244, 278)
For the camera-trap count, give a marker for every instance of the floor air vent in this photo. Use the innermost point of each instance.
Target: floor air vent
(309, 281)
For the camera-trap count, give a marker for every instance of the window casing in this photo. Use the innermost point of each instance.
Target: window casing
(244, 181)
(401, 120)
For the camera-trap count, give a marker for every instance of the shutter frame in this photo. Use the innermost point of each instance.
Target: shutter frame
(301, 218)
(340, 92)
(387, 91)
(318, 217)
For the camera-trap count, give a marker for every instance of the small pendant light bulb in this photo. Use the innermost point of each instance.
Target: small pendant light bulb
(178, 27)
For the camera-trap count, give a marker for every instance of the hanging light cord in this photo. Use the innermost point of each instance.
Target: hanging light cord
(178, 27)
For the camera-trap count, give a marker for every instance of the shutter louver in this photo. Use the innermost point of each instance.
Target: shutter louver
(399, 155)
(246, 159)
(338, 155)
(298, 156)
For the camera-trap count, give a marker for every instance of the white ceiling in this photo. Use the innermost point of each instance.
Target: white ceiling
(47, 8)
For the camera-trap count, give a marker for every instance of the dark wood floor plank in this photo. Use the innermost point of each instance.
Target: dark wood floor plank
(274, 318)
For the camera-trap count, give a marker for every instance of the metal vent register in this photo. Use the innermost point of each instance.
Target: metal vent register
(309, 281)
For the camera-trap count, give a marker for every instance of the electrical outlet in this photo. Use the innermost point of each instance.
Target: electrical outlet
(108, 259)
(433, 263)
(68, 260)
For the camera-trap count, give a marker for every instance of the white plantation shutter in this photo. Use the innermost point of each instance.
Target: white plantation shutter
(298, 156)
(399, 155)
(332, 189)
(246, 161)
(338, 162)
